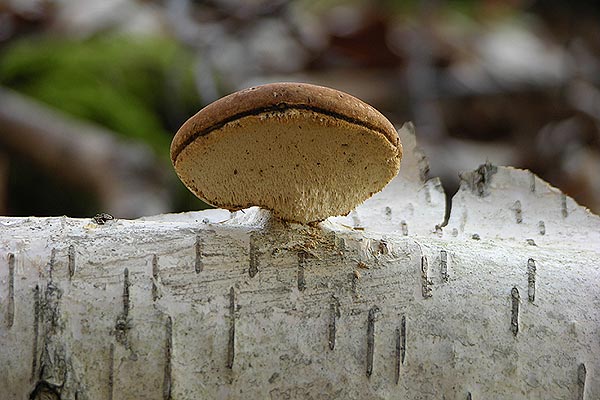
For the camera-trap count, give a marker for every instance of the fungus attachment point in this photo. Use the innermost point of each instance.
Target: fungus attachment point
(305, 152)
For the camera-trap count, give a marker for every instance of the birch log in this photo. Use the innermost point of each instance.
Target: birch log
(387, 303)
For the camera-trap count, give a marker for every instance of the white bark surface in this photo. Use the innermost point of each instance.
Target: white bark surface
(382, 304)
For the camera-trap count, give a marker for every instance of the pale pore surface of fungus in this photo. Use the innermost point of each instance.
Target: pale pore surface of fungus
(303, 165)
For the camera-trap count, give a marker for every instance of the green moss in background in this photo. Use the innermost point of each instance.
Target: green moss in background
(142, 88)
(127, 84)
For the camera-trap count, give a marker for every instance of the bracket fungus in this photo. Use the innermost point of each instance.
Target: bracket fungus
(305, 152)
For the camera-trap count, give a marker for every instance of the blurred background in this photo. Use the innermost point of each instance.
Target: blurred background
(92, 92)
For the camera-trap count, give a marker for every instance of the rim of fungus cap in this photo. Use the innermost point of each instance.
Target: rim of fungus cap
(303, 151)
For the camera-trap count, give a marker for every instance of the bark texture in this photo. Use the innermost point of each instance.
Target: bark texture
(501, 303)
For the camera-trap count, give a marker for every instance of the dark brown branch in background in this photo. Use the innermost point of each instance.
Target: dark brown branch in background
(126, 177)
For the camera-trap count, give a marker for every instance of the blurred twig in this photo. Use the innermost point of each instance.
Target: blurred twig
(126, 177)
(421, 76)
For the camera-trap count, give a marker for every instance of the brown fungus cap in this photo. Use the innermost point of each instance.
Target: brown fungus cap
(305, 152)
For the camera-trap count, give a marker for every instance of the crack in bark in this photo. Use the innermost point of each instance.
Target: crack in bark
(334, 314)
(71, 263)
(514, 320)
(301, 266)
(231, 340)
(10, 314)
(531, 269)
(167, 380)
(371, 338)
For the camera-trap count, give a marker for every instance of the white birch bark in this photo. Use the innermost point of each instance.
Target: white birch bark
(502, 303)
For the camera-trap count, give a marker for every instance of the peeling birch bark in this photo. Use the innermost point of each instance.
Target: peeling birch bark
(502, 303)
